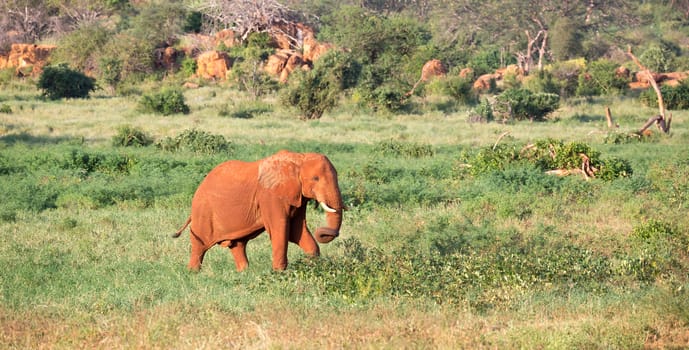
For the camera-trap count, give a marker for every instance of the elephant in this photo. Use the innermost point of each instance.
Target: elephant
(239, 200)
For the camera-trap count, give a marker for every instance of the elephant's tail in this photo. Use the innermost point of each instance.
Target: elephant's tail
(176, 234)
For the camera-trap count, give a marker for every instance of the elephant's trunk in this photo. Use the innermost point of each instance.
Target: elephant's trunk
(327, 233)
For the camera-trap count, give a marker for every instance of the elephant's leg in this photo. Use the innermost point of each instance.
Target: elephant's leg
(198, 250)
(300, 234)
(278, 228)
(238, 249)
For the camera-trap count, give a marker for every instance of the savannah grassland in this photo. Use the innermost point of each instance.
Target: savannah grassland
(430, 255)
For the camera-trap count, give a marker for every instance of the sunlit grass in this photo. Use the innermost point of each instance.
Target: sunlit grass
(429, 256)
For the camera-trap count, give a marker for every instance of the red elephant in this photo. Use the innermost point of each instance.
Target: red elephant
(239, 200)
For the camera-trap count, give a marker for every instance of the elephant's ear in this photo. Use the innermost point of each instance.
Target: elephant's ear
(279, 175)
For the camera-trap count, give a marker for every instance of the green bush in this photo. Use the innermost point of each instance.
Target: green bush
(522, 104)
(80, 47)
(196, 141)
(166, 102)
(312, 93)
(189, 66)
(600, 78)
(128, 136)
(545, 154)
(60, 81)
(674, 97)
(5, 108)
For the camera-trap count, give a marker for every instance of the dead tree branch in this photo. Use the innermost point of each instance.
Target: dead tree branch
(661, 120)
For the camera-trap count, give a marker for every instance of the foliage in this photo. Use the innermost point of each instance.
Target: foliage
(487, 60)
(80, 47)
(522, 104)
(110, 71)
(674, 97)
(5, 108)
(312, 93)
(458, 88)
(60, 81)
(565, 37)
(384, 46)
(134, 54)
(600, 78)
(189, 66)
(166, 102)
(195, 141)
(405, 149)
(657, 59)
(128, 136)
(544, 154)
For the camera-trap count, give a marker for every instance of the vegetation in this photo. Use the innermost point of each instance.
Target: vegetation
(60, 81)
(427, 241)
(510, 216)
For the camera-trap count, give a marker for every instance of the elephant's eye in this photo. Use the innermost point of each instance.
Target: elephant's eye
(315, 178)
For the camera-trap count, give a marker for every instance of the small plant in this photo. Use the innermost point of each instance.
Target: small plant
(128, 136)
(166, 102)
(674, 97)
(5, 108)
(60, 81)
(196, 141)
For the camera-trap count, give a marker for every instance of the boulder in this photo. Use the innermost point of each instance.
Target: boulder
(293, 62)
(431, 69)
(277, 61)
(27, 59)
(213, 65)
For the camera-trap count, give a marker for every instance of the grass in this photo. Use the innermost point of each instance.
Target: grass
(431, 255)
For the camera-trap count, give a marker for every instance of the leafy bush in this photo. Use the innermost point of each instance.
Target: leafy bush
(62, 82)
(458, 88)
(5, 108)
(110, 71)
(189, 66)
(128, 136)
(80, 47)
(545, 154)
(86, 163)
(522, 104)
(657, 58)
(166, 102)
(600, 79)
(195, 141)
(674, 97)
(312, 93)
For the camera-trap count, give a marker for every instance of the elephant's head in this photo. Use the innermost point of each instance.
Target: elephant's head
(296, 176)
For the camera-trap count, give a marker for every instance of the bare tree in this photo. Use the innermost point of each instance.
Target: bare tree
(28, 21)
(248, 16)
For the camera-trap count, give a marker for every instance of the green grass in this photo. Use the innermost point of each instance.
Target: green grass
(431, 255)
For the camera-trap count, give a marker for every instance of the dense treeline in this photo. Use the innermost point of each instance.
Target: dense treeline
(570, 48)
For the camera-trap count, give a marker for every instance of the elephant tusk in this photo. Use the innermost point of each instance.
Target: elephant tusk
(327, 208)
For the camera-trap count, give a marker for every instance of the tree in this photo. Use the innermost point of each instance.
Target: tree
(247, 16)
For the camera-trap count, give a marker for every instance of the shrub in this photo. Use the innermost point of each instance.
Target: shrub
(62, 82)
(110, 71)
(674, 97)
(600, 79)
(130, 136)
(545, 154)
(5, 108)
(166, 102)
(195, 141)
(79, 48)
(189, 66)
(522, 104)
(312, 93)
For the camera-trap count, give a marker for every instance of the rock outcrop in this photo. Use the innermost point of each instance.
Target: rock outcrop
(27, 59)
